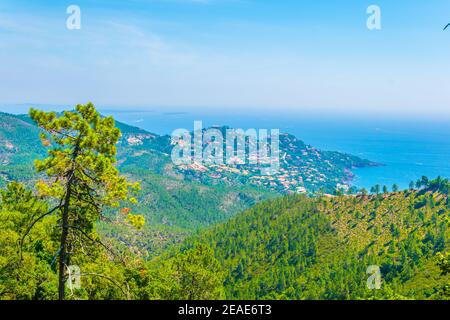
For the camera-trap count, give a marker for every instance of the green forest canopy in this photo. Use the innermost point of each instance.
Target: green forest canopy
(292, 247)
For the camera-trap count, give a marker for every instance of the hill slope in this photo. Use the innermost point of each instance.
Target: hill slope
(146, 156)
(302, 248)
(172, 205)
(19, 144)
(167, 198)
(175, 199)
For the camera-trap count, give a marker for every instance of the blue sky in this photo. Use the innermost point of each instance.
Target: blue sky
(252, 54)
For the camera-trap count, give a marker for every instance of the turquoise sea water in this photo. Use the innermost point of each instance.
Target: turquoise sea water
(408, 149)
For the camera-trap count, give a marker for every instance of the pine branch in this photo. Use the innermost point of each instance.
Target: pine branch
(22, 239)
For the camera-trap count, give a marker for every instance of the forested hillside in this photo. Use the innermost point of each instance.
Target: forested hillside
(107, 268)
(320, 248)
(50, 247)
(19, 146)
(177, 200)
(138, 232)
(172, 204)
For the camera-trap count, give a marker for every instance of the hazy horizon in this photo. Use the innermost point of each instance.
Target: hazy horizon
(280, 112)
(294, 56)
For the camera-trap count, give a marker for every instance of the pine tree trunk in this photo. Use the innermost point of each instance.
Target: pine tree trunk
(63, 253)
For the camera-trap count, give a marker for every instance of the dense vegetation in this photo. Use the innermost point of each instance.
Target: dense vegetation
(172, 204)
(320, 248)
(30, 272)
(291, 247)
(57, 222)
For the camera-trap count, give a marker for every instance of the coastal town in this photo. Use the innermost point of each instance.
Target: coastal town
(302, 168)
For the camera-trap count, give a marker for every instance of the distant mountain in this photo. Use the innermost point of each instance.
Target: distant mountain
(296, 247)
(303, 168)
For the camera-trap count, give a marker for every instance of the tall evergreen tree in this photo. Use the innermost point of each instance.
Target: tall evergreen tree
(81, 176)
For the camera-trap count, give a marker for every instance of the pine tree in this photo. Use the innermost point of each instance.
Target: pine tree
(81, 176)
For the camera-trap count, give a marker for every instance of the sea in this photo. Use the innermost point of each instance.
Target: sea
(407, 148)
